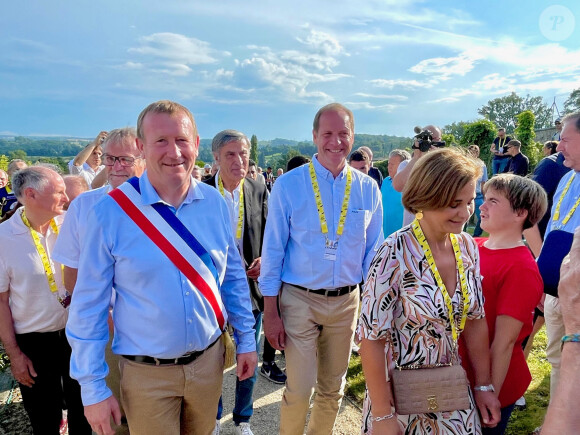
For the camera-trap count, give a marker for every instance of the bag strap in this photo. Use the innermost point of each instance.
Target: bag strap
(161, 241)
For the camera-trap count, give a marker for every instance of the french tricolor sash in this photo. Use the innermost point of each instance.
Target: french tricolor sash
(173, 238)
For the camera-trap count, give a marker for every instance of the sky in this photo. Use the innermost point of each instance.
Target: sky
(74, 68)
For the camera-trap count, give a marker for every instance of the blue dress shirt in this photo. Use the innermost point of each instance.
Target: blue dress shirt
(294, 245)
(158, 312)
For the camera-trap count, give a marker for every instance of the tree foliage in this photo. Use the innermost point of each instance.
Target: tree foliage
(456, 129)
(572, 104)
(481, 133)
(525, 134)
(503, 111)
(254, 148)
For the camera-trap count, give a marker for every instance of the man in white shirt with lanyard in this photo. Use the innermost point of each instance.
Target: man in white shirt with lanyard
(324, 227)
(33, 303)
(565, 218)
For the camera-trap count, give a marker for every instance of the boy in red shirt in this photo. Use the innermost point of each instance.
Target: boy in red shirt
(512, 285)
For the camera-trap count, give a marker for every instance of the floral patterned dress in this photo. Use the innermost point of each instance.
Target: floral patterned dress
(401, 299)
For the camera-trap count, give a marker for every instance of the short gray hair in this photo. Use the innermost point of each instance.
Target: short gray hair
(12, 165)
(120, 135)
(402, 154)
(227, 136)
(35, 177)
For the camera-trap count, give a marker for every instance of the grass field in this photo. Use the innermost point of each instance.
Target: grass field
(522, 422)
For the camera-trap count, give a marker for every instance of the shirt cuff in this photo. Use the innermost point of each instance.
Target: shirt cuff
(246, 342)
(95, 392)
(270, 289)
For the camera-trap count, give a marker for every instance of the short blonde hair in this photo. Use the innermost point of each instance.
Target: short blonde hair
(164, 106)
(333, 107)
(437, 178)
(523, 194)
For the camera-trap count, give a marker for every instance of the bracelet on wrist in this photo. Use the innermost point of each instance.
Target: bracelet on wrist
(570, 338)
(484, 388)
(383, 417)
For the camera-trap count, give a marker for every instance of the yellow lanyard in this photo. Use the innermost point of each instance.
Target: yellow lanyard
(320, 206)
(500, 143)
(462, 278)
(240, 208)
(42, 252)
(572, 210)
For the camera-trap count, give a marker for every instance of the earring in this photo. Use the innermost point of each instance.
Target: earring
(419, 215)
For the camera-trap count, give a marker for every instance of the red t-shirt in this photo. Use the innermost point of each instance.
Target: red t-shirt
(512, 286)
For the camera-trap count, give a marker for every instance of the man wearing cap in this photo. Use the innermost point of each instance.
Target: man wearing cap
(518, 163)
(324, 227)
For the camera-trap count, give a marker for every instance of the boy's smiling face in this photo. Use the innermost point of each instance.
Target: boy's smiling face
(497, 213)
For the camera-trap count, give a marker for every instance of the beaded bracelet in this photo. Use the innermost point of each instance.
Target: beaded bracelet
(574, 338)
(384, 417)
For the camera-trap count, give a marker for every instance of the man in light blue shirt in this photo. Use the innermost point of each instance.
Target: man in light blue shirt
(324, 227)
(392, 205)
(166, 327)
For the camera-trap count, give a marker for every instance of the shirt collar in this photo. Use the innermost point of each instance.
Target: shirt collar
(150, 196)
(216, 180)
(321, 171)
(19, 227)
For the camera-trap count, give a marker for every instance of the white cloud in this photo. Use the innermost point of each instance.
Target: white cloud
(442, 68)
(382, 96)
(357, 105)
(401, 83)
(175, 48)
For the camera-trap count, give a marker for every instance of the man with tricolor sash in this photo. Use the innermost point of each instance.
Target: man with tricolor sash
(564, 219)
(34, 303)
(324, 227)
(178, 279)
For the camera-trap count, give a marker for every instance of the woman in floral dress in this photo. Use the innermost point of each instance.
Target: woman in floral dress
(404, 301)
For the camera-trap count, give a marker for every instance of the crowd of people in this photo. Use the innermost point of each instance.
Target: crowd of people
(125, 280)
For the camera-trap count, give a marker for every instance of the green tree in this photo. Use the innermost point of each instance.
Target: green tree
(525, 134)
(18, 154)
(503, 111)
(456, 129)
(449, 139)
(572, 104)
(481, 133)
(4, 160)
(254, 149)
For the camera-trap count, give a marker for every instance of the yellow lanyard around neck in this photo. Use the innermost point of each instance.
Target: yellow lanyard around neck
(42, 252)
(572, 210)
(240, 208)
(320, 206)
(462, 278)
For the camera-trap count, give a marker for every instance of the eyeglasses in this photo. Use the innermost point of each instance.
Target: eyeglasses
(126, 161)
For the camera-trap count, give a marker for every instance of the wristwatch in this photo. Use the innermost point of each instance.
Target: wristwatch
(484, 388)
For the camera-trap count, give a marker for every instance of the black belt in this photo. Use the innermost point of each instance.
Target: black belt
(182, 360)
(339, 291)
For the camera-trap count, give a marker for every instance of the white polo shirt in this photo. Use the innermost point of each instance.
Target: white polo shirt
(34, 307)
(84, 171)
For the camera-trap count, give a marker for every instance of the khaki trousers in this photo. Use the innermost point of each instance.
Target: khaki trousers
(173, 400)
(319, 332)
(555, 331)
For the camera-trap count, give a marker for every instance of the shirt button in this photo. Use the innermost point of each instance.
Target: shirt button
(189, 320)
(186, 293)
(190, 345)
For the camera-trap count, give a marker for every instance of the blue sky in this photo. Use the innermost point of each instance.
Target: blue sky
(265, 67)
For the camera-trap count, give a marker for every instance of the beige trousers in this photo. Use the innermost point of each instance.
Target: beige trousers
(173, 400)
(319, 333)
(555, 331)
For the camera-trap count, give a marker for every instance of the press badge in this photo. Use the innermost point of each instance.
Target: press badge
(330, 248)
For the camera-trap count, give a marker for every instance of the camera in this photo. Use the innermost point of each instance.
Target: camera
(425, 141)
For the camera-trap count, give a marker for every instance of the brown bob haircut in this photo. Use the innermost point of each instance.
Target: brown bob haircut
(163, 106)
(437, 178)
(523, 194)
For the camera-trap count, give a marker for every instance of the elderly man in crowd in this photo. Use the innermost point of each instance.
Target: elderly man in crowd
(33, 304)
(75, 185)
(178, 279)
(564, 220)
(323, 229)
(7, 198)
(3, 178)
(88, 161)
(247, 203)
(122, 161)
